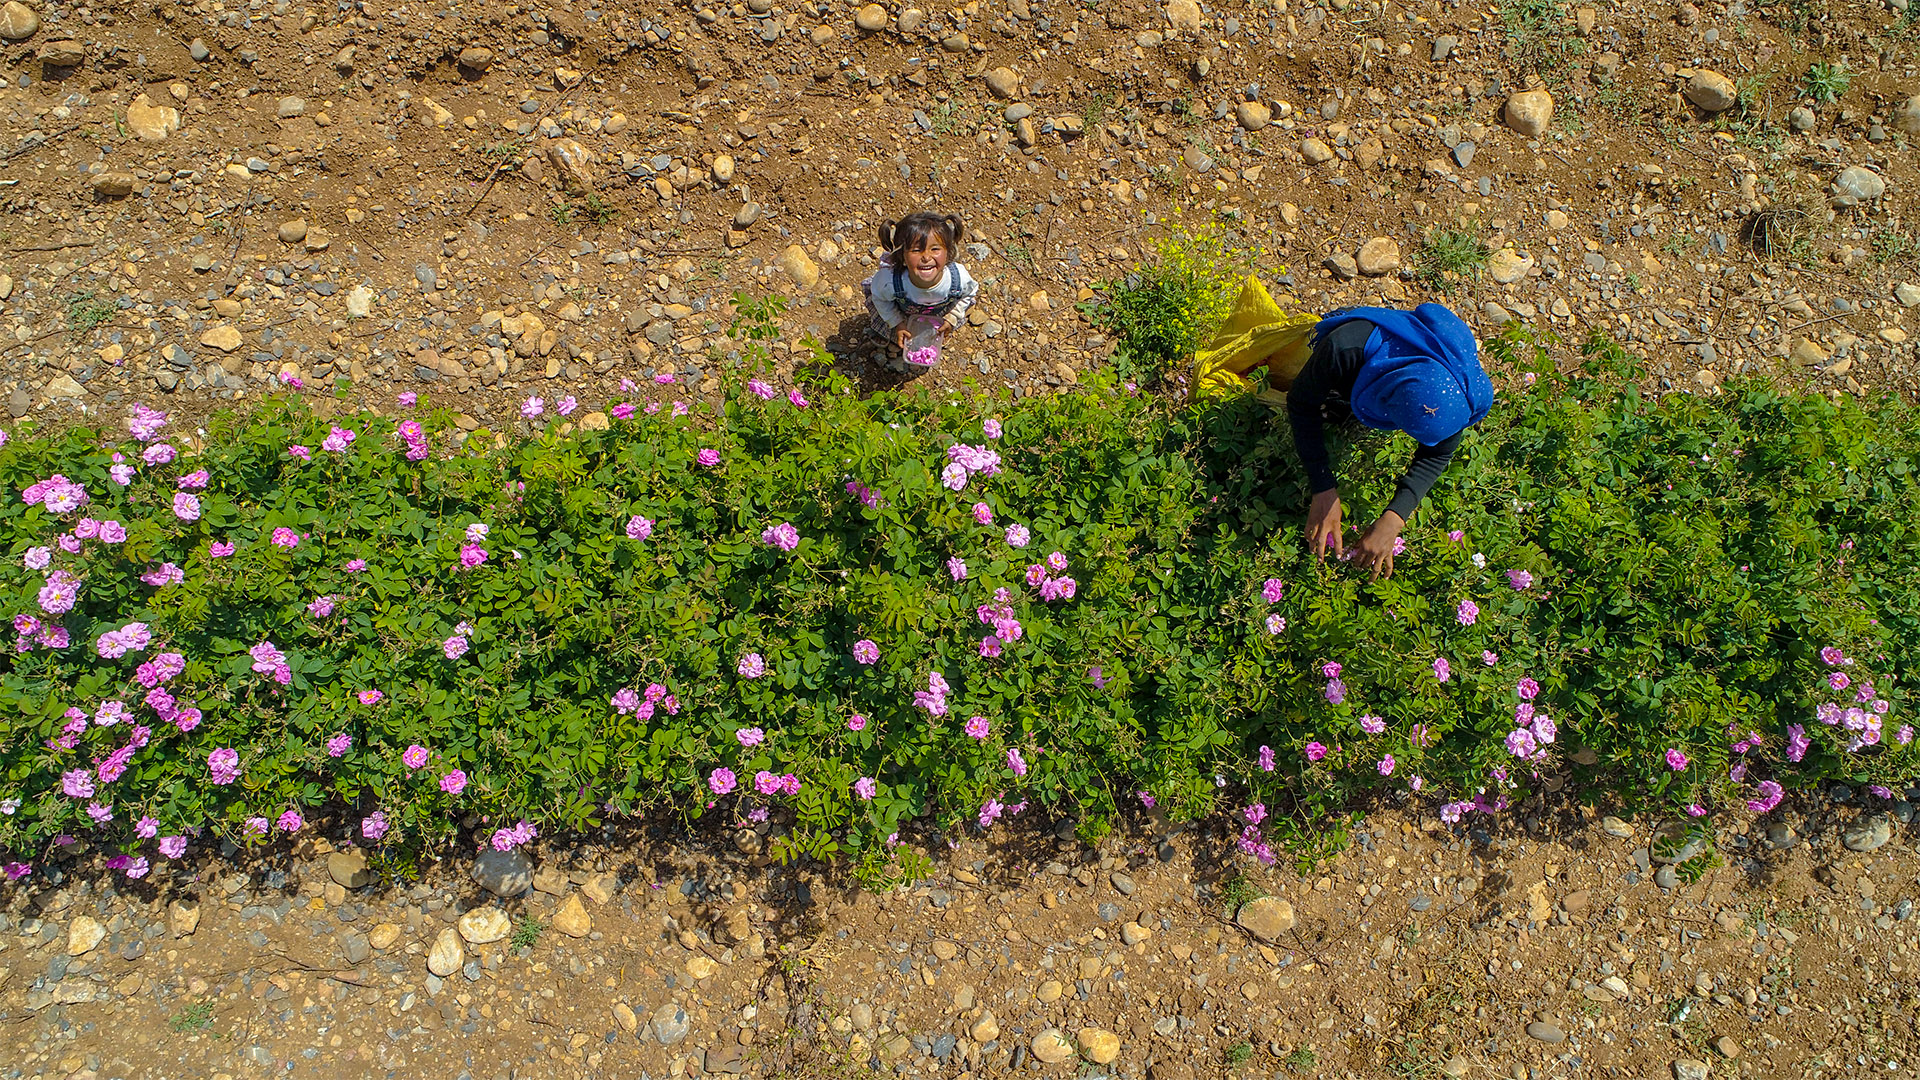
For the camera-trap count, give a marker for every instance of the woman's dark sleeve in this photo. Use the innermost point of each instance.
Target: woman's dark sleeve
(1335, 363)
(1425, 468)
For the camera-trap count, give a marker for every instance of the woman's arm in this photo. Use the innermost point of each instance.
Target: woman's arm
(1425, 468)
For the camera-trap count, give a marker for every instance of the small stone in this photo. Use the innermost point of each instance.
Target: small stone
(986, 1029)
(182, 918)
(1868, 833)
(1859, 183)
(1378, 256)
(476, 58)
(1529, 112)
(483, 925)
(18, 22)
(574, 163)
(1266, 918)
(447, 955)
(1316, 152)
(1443, 47)
(1051, 1046)
(1802, 119)
(149, 122)
(62, 54)
(1003, 82)
(700, 967)
(1583, 21)
(1184, 15)
(548, 879)
(1507, 266)
(1546, 1033)
(1616, 828)
(624, 1016)
(872, 18)
(113, 185)
(1726, 1047)
(1049, 992)
(359, 305)
(62, 387)
(1252, 115)
(290, 107)
(1906, 116)
(723, 168)
(1341, 265)
(383, 936)
(1712, 91)
(602, 887)
(83, 934)
(1098, 1045)
(671, 1024)
(348, 868)
(572, 919)
(798, 266)
(503, 873)
(1133, 933)
(1040, 301)
(292, 232)
(1686, 1069)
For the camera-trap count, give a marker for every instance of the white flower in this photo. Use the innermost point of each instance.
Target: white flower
(1479, 560)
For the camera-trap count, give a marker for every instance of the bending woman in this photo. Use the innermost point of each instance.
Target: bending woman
(1414, 371)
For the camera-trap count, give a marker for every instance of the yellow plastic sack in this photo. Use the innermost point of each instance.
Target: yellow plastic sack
(1259, 333)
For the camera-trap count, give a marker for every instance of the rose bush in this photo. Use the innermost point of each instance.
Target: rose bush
(850, 612)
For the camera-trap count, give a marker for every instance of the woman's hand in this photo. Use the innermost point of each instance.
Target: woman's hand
(1375, 550)
(1323, 524)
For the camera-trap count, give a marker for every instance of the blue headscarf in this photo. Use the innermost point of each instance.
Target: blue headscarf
(1422, 373)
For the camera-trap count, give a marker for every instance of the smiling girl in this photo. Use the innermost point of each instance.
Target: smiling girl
(919, 293)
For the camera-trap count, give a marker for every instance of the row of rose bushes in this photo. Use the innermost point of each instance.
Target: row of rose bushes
(850, 612)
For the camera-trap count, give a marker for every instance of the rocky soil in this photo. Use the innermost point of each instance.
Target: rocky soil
(495, 201)
(1563, 944)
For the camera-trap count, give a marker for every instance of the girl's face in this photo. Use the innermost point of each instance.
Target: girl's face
(927, 262)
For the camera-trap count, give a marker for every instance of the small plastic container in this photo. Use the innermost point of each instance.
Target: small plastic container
(923, 343)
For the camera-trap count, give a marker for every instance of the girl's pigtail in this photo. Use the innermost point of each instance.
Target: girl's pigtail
(957, 230)
(886, 237)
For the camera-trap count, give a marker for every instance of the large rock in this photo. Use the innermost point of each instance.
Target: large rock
(1507, 266)
(799, 266)
(1051, 1046)
(476, 58)
(1712, 91)
(1529, 112)
(83, 934)
(447, 955)
(1908, 294)
(1859, 184)
(503, 873)
(150, 122)
(1252, 115)
(1316, 152)
(113, 185)
(1266, 918)
(1184, 15)
(1868, 834)
(484, 925)
(347, 868)
(62, 54)
(1099, 1045)
(226, 338)
(18, 22)
(1906, 117)
(572, 918)
(871, 18)
(670, 1024)
(1002, 82)
(1380, 255)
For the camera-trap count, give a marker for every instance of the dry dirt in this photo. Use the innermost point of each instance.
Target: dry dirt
(1545, 949)
(194, 192)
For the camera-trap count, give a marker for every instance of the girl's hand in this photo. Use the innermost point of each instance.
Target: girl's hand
(947, 327)
(901, 336)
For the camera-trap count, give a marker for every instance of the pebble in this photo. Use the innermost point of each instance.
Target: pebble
(1545, 1032)
(986, 1029)
(1906, 117)
(1868, 833)
(1099, 1045)
(18, 22)
(1051, 1046)
(1049, 992)
(84, 933)
(476, 58)
(64, 53)
(1133, 933)
(1003, 82)
(290, 107)
(1378, 256)
(1529, 111)
(1316, 152)
(671, 1024)
(1688, 1069)
(1712, 91)
(1859, 184)
(348, 869)
(484, 925)
(871, 18)
(503, 873)
(1266, 918)
(447, 955)
(1252, 115)
(572, 919)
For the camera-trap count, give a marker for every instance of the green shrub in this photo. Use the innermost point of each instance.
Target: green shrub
(1172, 302)
(1689, 560)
